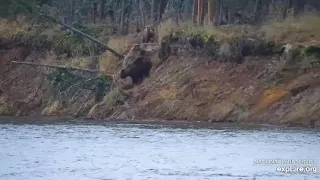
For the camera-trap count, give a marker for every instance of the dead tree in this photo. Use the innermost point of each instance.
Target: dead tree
(102, 9)
(94, 12)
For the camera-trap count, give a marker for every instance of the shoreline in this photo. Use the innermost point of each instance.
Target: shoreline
(62, 120)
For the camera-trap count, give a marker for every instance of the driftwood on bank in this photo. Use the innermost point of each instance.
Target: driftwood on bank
(56, 67)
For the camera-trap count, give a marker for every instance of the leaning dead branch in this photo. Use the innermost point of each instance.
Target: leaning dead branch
(84, 34)
(57, 67)
(32, 10)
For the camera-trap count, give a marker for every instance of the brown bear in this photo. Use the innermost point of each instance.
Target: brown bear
(138, 70)
(148, 35)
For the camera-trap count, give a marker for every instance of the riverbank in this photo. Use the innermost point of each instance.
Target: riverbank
(271, 85)
(69, 120)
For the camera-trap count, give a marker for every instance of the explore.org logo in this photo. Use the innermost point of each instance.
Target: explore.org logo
(293, 169)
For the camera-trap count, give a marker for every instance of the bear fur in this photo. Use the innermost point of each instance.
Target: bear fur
(148, 35)
(138, 70)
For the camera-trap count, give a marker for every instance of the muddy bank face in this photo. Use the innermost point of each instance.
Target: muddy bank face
(245, 81)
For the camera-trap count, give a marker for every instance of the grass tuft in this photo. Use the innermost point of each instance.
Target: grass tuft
(52, 110)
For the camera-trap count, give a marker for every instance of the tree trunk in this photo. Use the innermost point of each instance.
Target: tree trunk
(122, 18)
(266, 10)
(141, 12)
(298, 7)
(72, 15)
(163, 6)
(210, 12)
(152, 16)
(159, 11)
(127, 16)
(194, 11)
(257, 11)
(94, 12)
(188, 7)
(102, 9)
(217, 16)
(199, 12)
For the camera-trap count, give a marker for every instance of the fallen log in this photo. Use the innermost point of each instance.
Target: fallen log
(56, 66)
(85, 35)
(28, 7)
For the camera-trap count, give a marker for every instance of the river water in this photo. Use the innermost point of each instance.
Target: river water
(133, 151)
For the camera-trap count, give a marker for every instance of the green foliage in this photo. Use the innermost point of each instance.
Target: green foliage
(101, 84)
(312, 51)
(12, 8)
(66, 84)
(206, 37)
(62, 79)
(115, 97)
(43, 37)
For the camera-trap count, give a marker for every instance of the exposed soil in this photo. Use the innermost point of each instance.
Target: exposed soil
(21, 86)
(183, 87)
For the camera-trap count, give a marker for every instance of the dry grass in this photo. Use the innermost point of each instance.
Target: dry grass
(208, 91)
(188, 28)
(80, 62)
(109, 105)
(6, 110)
(303, 30)
(114, 97)
(11, 28)
(108, 61)
(52, 110)
(168, 93)
(170, 108)
(222, 33)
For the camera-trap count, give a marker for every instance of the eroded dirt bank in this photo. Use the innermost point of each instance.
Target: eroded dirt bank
(269, 75)
(184, 87)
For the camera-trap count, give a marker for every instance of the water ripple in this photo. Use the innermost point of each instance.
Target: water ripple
(122, 151)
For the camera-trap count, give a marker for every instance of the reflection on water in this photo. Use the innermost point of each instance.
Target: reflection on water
(123, 151)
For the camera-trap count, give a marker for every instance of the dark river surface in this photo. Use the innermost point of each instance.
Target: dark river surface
(131, 151)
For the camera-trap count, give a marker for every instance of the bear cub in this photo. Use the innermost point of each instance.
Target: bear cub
(148, 35)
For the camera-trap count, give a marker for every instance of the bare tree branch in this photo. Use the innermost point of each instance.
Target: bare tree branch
(71, 28)
(85, 35)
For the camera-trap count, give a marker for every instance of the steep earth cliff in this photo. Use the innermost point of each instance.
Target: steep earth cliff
(191, 84)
